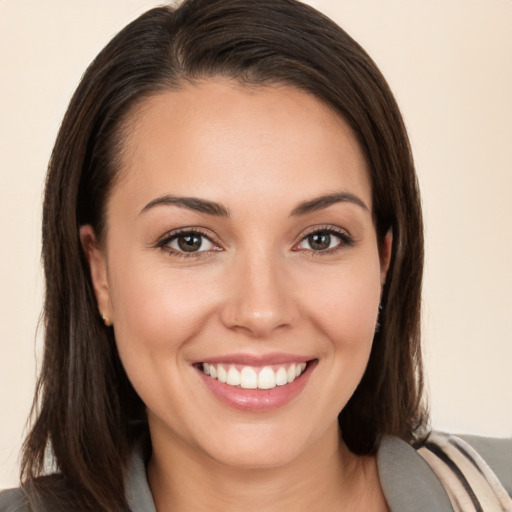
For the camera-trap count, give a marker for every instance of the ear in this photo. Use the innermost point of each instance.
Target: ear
(385, 255)
(98, 269)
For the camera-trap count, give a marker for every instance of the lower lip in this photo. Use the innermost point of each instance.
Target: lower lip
(257, 400)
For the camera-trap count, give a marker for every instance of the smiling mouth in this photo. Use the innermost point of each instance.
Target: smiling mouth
(250, 377)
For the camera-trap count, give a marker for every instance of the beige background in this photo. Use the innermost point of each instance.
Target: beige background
(450, 65)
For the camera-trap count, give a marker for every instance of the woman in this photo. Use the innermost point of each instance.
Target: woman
(233, 253)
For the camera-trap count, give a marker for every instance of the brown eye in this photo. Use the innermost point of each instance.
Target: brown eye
(325, 240)
(319, 241)
(189, 242)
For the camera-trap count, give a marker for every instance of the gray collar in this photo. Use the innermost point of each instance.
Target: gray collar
(407, 481)
(138, 494)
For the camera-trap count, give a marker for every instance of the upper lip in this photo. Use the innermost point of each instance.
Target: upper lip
(257, 360)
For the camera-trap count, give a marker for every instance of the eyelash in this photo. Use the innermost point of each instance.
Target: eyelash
(166, 240)
(345, 240)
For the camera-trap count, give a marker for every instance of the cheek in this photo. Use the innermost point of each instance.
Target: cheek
(156, 314)
(156, 310)
(345, 312)
(345, 303)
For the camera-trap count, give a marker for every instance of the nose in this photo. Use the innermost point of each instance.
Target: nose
(260, 297)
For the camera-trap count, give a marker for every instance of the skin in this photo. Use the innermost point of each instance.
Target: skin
(258, 288)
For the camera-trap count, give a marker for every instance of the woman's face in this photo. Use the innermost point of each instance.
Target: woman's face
(240, 243)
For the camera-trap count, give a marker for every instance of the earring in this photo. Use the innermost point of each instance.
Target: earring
(106, 320)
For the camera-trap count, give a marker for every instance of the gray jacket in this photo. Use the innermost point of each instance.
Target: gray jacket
(408, 482)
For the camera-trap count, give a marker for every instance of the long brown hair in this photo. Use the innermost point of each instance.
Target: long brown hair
(86, 411)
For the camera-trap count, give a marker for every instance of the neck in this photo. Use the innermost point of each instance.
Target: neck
(326, 474)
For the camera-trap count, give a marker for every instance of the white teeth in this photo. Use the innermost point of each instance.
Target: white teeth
(248, 378)
(291, 373)
(222, 374)
(267, 378)
(281, 377)
(233, 378)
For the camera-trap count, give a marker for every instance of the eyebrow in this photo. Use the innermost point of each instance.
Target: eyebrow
(319, 203)
(216, 209)
(192, 203)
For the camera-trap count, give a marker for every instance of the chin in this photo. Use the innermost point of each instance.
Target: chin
(264, 446)
(255, 456)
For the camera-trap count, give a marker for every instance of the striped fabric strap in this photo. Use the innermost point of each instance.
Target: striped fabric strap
(469, 481)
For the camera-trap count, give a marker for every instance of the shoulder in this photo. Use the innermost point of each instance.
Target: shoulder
(427, 479)
(45, 494)
(497, 453)
(475, 471)
(407, 480)
(490, 456)
(14, 500)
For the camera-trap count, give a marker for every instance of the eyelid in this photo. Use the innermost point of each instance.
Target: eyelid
(164, 241)
(346, 240)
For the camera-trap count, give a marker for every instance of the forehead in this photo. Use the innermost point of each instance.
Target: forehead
(217, 137)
